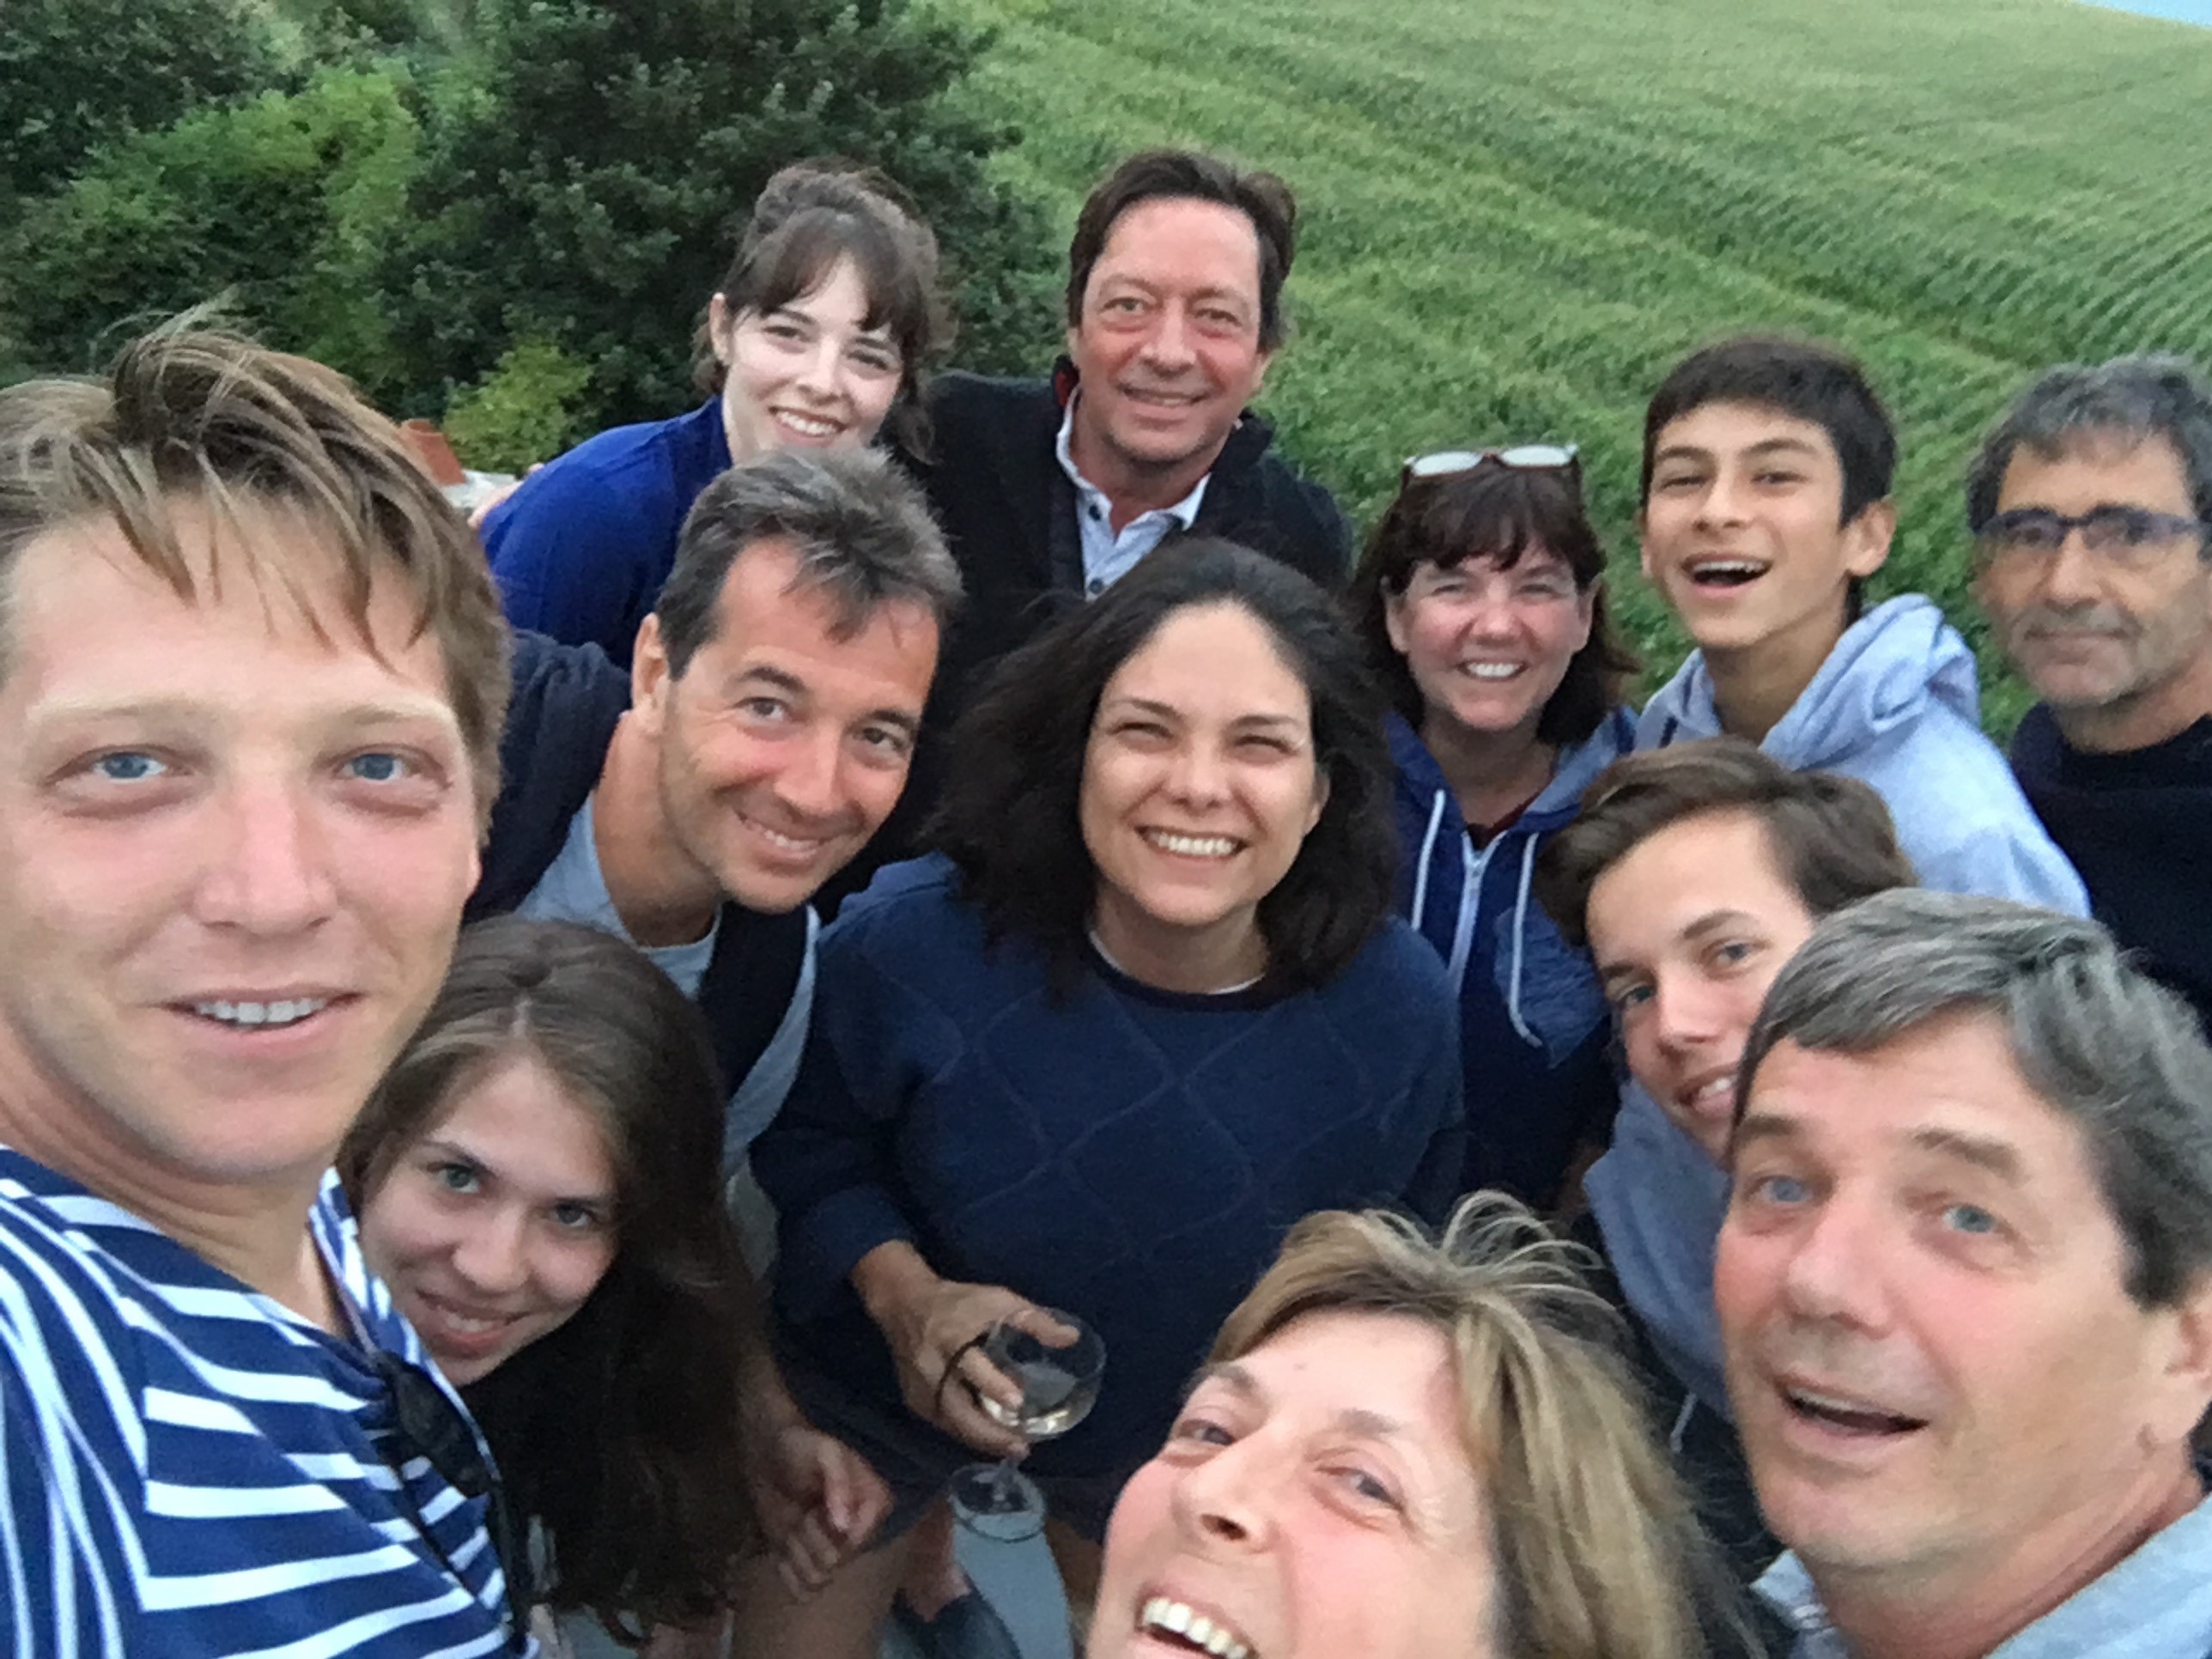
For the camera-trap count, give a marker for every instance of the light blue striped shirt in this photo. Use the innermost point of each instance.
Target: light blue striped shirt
(190, 1468)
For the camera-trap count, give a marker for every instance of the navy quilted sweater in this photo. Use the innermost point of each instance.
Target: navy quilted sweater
(1133, 1155)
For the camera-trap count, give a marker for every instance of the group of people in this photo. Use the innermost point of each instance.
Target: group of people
(941, 854)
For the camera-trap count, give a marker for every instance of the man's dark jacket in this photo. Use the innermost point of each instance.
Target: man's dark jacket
(567, 701)
(1008, 510)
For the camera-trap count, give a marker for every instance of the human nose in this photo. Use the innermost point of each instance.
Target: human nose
(1167, 346)
(2070, 572)
(1229, 1498)
(1833, 1273)
(491, 1257)
(1199, 775)
(819, 374)
(1724, 500)
(269, 871)
(1685, 1012)
(811, 782)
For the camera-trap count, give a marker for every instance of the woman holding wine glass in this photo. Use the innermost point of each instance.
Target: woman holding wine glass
(1145, 1010)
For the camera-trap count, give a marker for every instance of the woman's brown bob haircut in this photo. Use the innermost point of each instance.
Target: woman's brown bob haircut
(189, 414)
(1593, 1542)
(1831, 836)
(1497, 513)
(809, 216)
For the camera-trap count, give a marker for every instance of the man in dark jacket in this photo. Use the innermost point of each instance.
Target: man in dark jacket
(2089, 503)
(694, 803)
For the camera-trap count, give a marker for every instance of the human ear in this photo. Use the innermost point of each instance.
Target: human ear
(1867, 537)
(649, 678)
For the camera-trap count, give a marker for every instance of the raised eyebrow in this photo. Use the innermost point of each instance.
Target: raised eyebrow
(1983, 1153)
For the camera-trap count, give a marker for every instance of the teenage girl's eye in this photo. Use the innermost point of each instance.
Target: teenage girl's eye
(456, 1178)
(1628, 998)
(575, 1217)
(782, 328)
(1733, 953)
(876, 359)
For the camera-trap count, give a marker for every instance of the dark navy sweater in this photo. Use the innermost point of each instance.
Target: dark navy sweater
(1132, 1155)
(580, 550)
(2135, 825)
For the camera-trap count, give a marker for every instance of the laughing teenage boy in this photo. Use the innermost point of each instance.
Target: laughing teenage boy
(1766, 479)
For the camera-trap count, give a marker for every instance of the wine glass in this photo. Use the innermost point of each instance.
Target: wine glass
(1058, 1385)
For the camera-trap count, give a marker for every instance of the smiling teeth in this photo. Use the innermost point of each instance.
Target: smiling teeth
(810, 425)
(1726, 567)
(1491, 670)
(1177, 1619)
(262, 1013)
(1193, 847)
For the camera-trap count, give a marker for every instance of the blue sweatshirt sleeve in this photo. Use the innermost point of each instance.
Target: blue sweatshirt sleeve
(571, 557)
(829, 1160)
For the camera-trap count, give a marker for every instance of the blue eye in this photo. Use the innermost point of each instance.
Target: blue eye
(129, 768)
(1780, 1189)
(1970, 1218)
(378, 766)
(455, 1178)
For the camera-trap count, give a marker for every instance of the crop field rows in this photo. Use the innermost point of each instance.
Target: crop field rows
(1515, 216)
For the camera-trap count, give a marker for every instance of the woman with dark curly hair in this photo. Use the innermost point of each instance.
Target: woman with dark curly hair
(1145, 1010)
(537, 1179)
(1481, 597)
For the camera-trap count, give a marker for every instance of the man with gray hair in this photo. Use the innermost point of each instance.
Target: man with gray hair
(2089, 503)
(1965, 1286)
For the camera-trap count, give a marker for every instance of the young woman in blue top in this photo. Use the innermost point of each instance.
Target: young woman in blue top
(537, 1179)
(817, 337)
(1146, 1009)
(1481, 597)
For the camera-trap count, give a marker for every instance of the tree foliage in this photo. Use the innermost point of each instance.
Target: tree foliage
(588, 165)
(284, 203)
(78, 74)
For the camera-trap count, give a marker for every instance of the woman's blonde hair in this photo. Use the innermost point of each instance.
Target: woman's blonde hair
(1595, 1545)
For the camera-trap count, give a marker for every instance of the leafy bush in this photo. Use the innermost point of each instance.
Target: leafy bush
(522, 411)
(78, 74)
(285, 204)
(587, 166)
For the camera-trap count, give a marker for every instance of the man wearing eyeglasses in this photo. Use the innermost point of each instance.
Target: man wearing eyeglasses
(252, 678)
(2088, 502)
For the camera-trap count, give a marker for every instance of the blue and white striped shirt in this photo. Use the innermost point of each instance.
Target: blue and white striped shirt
(187, 1467)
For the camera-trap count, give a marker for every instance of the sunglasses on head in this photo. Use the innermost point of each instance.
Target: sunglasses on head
(427, 1424)
(1521, 457)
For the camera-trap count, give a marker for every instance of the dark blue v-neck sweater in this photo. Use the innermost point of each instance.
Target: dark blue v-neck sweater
(1132, 1155)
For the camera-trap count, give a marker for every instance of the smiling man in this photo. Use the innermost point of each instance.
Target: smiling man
(763, 734)
(2089, 502)
(1966, 1288)
(252, 672)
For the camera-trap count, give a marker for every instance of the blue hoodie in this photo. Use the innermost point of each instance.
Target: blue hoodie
(1534, 1035)
(1896, 705)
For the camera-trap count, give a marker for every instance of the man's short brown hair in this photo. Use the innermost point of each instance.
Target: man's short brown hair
(1831, 836)
(192, 413)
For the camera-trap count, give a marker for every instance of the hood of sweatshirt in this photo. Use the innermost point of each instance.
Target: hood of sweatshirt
(1441, 875)
(1890, 665)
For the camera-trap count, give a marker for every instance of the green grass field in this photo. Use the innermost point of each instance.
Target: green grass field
(1516, 213)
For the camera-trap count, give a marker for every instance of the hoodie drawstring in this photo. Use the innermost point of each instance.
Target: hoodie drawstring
(1520, 936)
(1421, 868)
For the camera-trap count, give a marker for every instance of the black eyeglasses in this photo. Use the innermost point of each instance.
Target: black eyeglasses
(1521, 457)
(427, 1424)
(2109, 531)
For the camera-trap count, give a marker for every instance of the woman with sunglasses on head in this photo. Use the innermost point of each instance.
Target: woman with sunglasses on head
(537, 1180)
(1146, 1009)
(816, 339)
(1481, 599)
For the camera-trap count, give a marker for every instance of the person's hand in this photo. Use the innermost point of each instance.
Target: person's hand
(483, 509)
(819, 1501)
(935, 1331)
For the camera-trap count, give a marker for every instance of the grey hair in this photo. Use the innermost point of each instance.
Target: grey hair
(2131, 399)
(2095, 1036)
(859, 527)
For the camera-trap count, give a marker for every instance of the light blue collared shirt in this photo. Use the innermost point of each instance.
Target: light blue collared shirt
(1107, 556)
(2156, 1604)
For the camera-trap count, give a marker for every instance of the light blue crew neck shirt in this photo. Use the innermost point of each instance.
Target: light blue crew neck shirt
(574, 889)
